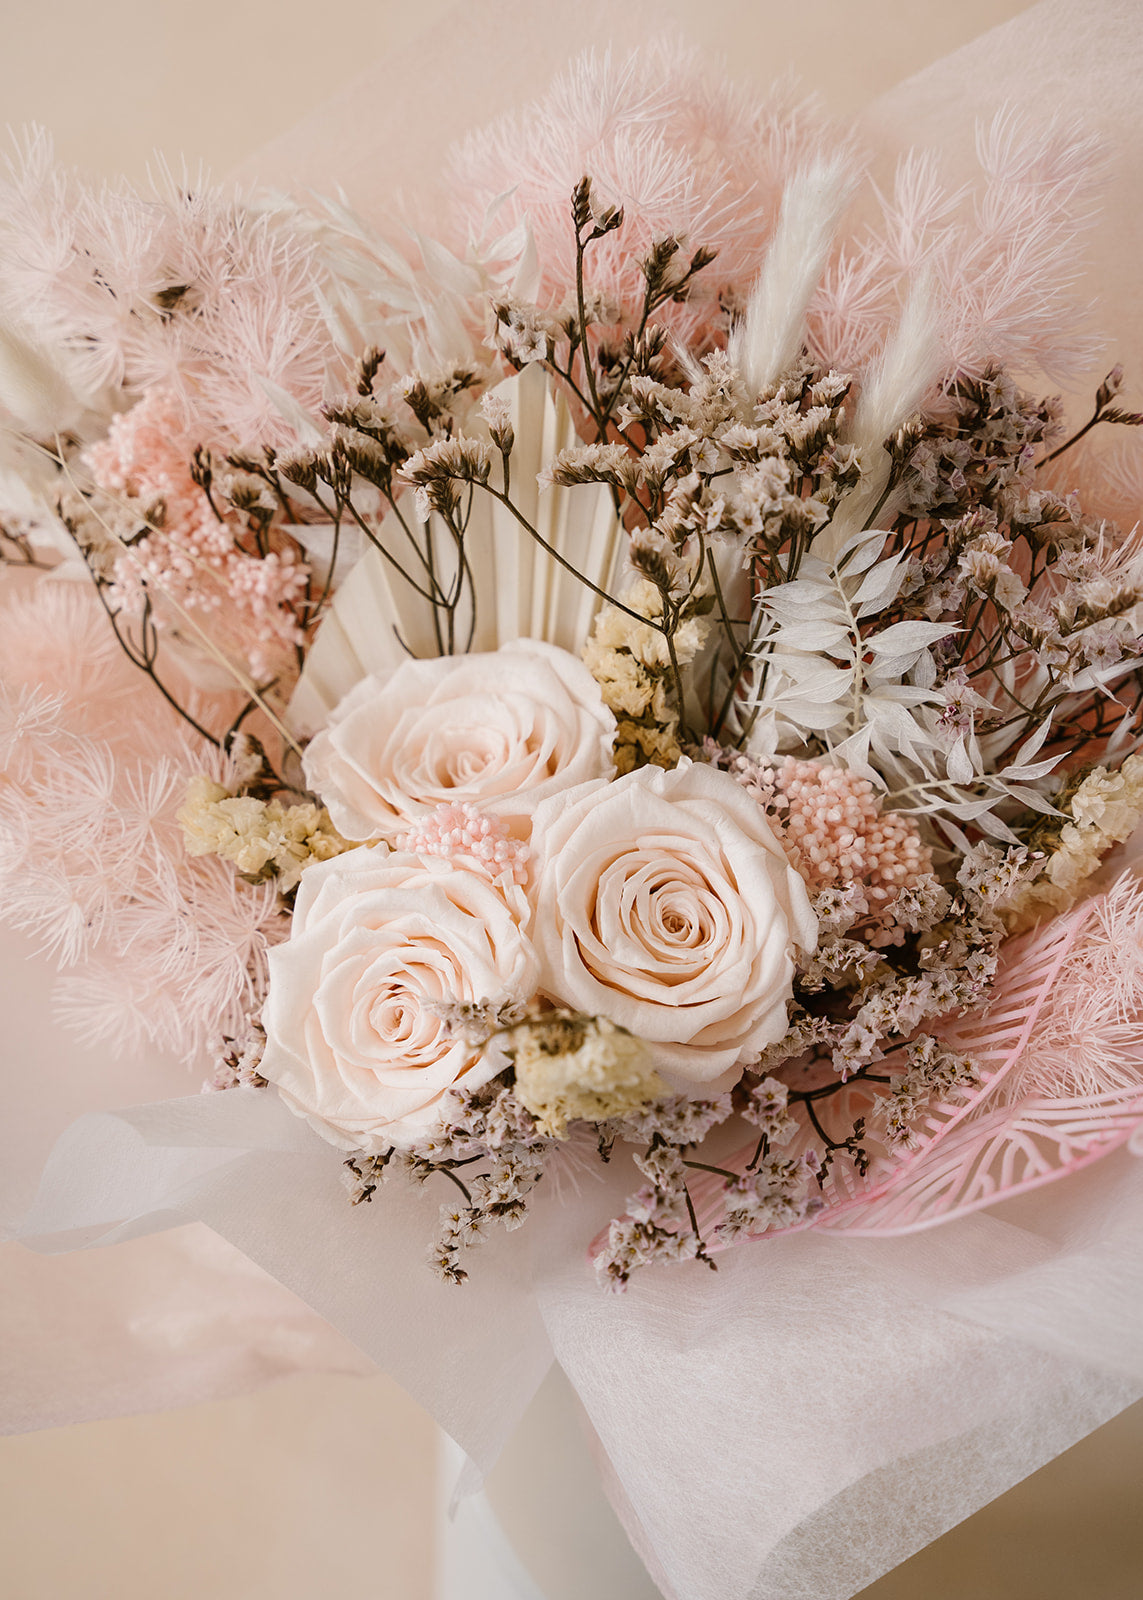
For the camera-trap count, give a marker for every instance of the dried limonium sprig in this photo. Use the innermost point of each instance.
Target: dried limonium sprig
(489, 1130)
(931, 1073)
(661, 1221)
(237, 1060)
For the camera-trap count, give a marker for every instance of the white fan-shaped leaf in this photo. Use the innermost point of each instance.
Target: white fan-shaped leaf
(518, 589)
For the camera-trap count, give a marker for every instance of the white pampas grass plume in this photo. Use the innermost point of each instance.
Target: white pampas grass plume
(908, 369)
(768, 338)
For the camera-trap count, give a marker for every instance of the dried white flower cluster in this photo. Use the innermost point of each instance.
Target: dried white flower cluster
(1105, 809)
(570, 1068)
(264, 838)
(632, 662)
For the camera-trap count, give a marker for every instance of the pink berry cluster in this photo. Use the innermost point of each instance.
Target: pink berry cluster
(831, 822)
(460, 830)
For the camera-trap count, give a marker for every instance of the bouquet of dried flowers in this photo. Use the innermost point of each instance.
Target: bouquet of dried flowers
(635, 669)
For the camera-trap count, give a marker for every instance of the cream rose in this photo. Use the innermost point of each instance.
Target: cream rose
(503, 730)
(358, 1037)
(665, 903)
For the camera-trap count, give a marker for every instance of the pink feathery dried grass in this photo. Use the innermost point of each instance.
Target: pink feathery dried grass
(166, 951)
(56, 639)
(184, 285)
(1004, 260)
(685, 153)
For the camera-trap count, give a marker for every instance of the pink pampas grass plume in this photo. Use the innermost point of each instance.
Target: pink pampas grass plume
(683, 152)
(1005, 257)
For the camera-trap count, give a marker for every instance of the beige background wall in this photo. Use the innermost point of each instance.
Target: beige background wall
(324, 1485)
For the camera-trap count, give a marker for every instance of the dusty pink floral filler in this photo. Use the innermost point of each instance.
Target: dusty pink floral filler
(191, 557)
(831, 820)
(458, 830)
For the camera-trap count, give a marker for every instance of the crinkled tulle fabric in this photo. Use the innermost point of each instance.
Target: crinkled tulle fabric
(792, 1425)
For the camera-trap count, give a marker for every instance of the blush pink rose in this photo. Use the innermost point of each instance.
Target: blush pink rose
(382, 944)
(665, 903)
(503, 730)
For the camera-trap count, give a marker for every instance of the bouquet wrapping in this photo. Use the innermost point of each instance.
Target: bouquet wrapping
(852, 1379)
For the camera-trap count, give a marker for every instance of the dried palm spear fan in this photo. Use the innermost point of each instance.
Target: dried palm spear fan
(507, 584)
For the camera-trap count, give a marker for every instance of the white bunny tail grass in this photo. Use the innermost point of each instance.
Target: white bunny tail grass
(767, 340)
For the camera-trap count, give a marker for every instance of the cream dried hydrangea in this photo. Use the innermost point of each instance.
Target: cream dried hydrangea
(1105, 810)
(572, 1068)
(631, 663)
(263, 838)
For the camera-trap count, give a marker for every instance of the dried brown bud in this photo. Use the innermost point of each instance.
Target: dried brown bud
(202, 468)
(1109, 388)
(367, 369)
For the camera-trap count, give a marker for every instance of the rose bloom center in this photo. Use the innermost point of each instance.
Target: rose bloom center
(658, 916)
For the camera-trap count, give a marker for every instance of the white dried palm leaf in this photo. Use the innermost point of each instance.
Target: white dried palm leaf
(518, 589)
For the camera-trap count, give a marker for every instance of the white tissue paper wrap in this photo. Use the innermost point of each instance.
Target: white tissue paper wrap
(790, 1426)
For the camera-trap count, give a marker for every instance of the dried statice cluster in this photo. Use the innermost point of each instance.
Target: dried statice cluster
(946, 655)
(662, 1221)
(389, 436)
(862, 1004)
(930, 1072)
(566, 1068)
(237, 1060)
(490, 1128)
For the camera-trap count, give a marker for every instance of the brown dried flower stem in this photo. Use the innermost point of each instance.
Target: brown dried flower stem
(636, 616)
